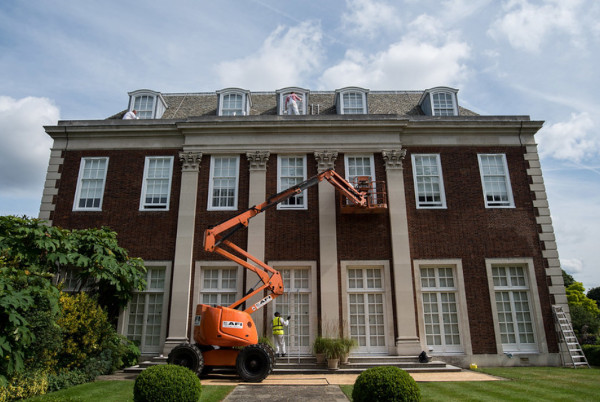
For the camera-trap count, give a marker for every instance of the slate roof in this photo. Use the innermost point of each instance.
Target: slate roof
(186, 105)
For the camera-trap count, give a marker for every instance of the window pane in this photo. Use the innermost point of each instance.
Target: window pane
(495, 180)
(515, 320)
(428, 181)
(91, 183)
(232, 105)
(157, 182)
(292, 172)
(353, 103)
(443, 104)
(144, 105)
(224, 182)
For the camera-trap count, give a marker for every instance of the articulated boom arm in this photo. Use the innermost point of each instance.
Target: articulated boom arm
(215, 238)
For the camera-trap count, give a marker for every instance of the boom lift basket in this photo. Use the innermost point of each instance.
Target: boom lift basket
(376, 197)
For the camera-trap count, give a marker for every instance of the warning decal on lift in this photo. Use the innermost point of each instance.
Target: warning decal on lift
(233, 324)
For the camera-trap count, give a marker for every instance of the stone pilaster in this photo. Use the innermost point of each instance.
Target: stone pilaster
(184, 246)
(256, 228)
(407, 342)
(328, 244)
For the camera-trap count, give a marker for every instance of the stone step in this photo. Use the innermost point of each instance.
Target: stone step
(308, 365)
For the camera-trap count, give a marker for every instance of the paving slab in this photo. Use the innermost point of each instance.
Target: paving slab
(286, 393)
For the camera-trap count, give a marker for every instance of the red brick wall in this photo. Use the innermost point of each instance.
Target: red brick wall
(469, 231)
(205, 218)
(146, 234)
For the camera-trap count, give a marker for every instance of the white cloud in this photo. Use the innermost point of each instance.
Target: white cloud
(25, 146)
(285, 58)
(368, 17)
(526, 26)
(570, 140)
(572, 265)
(408, 64)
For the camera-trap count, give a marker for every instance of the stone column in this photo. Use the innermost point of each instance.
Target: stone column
(407, 342)
(184, 251)
(256, 227)
(330, 307)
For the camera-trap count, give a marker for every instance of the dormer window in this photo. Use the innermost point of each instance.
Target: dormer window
(148, 104)
(234, 102)
(301, 99)
(439, 101)
(351, 101)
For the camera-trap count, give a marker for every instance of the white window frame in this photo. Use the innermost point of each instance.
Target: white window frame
(386, 289)
(246, 102)
(212, 180)
(540, 345)
(301, 105)
(353, 110)
(461, 301)
(304, 194)
(429, 204)
(123, 323)
(509, 203)
(80, 180)
(446, 109)
(144, 206)
(154, 110)
(347, 165)
(145, 110)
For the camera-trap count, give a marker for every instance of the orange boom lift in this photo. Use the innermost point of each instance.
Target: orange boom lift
(227, 336)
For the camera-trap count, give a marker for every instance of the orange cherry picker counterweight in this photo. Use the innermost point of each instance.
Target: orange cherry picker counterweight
(226, 336)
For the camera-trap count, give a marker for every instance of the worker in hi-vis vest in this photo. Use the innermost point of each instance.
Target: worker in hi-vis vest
(278, 324)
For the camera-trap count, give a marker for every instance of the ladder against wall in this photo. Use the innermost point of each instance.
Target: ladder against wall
(568, 343)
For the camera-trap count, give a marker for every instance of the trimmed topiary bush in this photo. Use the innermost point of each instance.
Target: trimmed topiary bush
(380, 384)
(167, 383)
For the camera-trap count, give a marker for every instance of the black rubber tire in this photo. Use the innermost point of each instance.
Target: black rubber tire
(187, 355)
(254, 363)
(271, 353)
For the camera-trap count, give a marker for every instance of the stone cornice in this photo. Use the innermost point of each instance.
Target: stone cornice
(190, 161)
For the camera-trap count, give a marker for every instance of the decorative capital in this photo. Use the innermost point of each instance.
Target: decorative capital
(258, 159)
(190, 161)
(325, 160)
(393, 158)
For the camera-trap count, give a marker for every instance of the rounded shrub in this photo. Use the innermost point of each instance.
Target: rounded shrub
(167, 383)
(385, 384)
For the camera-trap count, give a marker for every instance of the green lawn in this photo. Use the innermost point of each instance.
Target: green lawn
(523, 384)
(119, 391)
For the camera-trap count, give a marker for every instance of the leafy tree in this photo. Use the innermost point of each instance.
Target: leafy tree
(31, 254)
(26, 296)
(585, 314)
(568, 279)
(104, 268)
(594, 294)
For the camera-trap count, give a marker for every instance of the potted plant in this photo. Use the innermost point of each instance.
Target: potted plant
(349, 344)
(333, 350)
(319, 349)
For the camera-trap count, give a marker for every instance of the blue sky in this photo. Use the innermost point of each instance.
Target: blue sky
(70, 60)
